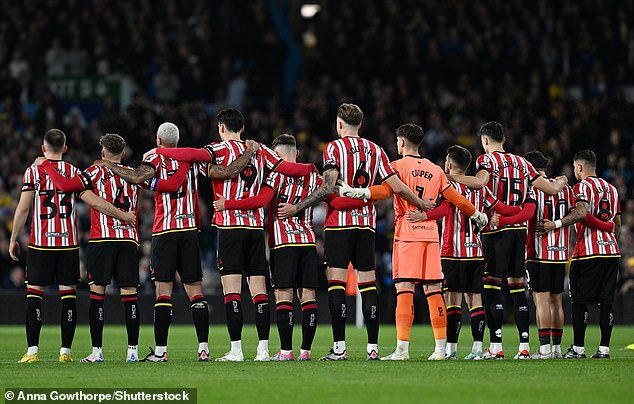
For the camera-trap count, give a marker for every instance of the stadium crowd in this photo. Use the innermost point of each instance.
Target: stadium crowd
(556, 74)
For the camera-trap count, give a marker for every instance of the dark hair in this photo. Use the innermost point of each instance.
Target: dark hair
(350, 114)
(492, 129)
(537, 159)
(231, 118)
(55, 140)
(284, 140)
(587, 156)
(411, 132)
(113, 143)
(459, 156)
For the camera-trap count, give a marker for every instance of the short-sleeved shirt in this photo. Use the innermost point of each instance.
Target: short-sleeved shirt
(360, 163)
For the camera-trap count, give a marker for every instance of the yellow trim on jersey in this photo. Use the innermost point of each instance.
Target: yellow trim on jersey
(547, 261)
(462, 259)
(163, 304)
(589, 257)
(294, 245)
(238, 227)
(367, 289)
(336, 287)
(351, 228)
(69, 297)
(116, 240)
(54, 248)
(492, 287)
(504, 229)
(517, 290)
(174, 231)
(38, 296)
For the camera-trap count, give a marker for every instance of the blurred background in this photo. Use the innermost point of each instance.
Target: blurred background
(559, 75)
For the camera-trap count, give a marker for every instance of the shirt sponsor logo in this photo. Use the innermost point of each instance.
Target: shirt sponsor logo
(57, 234)
(556, 248)
(185, 216)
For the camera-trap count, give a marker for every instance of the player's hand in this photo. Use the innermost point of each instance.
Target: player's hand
(545, 226)
(562, 178)
(14, 250)
(480, 219)
(252, 146)
(129, 218)
(286, 210)
(219, 203)
(428, 204)
(101, 163)
(416, 216)
(38, 161)
(495, 219)
(356, 193)
(147, 153)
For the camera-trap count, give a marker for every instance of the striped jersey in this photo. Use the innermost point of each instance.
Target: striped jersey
(122, 195)
(361, 163)
(296, 230)
(603, 202)
(54, 220)
(509, 179)
(176, 210)
(460, 238)
(245, 185)
(551, 246)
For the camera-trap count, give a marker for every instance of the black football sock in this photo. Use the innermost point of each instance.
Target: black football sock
(522, 319)
(370, 307)
(262, 316)
(33, 316)
(69, 317)
(309, 323)
(95, 312)
(233, 309)
(477, 323)
(494, 308)
(606, 321)
(284, 309)
(579, 323)
(200, 315)
(556, 334)
(544, 336)
(454, 322)
(338, 309)
(132, 319)
(162, 319)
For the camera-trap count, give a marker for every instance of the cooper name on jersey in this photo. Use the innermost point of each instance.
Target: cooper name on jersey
(422, 173)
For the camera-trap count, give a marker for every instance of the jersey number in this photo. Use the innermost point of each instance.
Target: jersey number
(515, 190)
(284, 199)
(178, 194)
(48, 202)
(560, 210)
(122, 201)
(248, 175)
(605, 210)
(361, 177)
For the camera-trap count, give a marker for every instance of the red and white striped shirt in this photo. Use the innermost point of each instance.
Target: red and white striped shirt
(460, 238)
(361, 163)
(245, 185)
(296, 230)
(603, 203)
(509, 179)
(122, 195)
(54, 220)
(178, 210)
(551, 246)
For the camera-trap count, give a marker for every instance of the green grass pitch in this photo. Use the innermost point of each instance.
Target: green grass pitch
(353, 381)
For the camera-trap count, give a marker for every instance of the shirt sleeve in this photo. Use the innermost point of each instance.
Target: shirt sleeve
(531, 172)
(531, 197)
(271, 159)
(273, 180)
(582, 192)
(28, 180)
(385, 169)
(443, 181)
(153, 160)
(488, 199)
(484, 163)
(331, 157)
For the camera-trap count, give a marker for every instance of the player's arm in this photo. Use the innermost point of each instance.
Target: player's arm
(173, 183)
(232, 170)
(255, 202)
(525, 213)
(294, 169)
(479, 181)
(326, 188)
(19, 220)
(594, 223)
(137, 176)
(185, 154)
(617, 226)
(64, 184)
(105, 207)
(343, 203)
(504, 209)
(391, 185)
(551, 188)
(438, 212)
(577, 214)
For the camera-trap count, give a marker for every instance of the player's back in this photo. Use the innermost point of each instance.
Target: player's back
(122, 195)
(425, 179)
(509, 176)
(551, 246)
(54, 222)
(176, 210)
(361, 163)
(603, 203)
(246, 184)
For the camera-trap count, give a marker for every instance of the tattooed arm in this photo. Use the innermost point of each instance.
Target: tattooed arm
(137, 176)
(320, 194)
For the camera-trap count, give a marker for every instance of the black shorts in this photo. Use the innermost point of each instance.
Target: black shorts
(355, 246)
(176, 251)
(113, 258)
(295, 267)
(46, 267)
(463, 275)
(546, 276)
(504, 253)
(241, 250)
(593, 280)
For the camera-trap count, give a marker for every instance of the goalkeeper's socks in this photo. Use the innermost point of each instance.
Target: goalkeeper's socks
(437, 315)
(404, 314)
